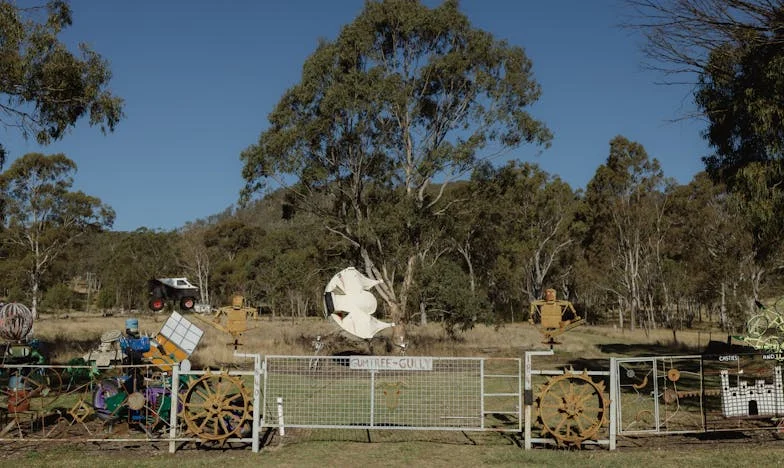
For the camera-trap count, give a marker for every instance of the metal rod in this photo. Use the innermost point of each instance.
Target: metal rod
(614, 400)
(256, 396)
(482, 393)
(528, 388)
(372, 396)
(175, 391)
(281, 429)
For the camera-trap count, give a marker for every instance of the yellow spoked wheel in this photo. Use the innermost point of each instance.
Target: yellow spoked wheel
(216, 407)
(572, 408)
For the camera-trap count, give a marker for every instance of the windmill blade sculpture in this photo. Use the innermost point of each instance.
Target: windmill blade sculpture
(350, 304)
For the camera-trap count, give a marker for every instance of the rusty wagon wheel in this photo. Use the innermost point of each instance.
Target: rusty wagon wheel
(572, 408)
(216, 406)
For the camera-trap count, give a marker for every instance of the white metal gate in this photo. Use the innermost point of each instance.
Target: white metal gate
(699, 393)
(392, 392)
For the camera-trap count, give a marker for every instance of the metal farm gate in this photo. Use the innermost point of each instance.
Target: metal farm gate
(393, 392)
(630, 396)
(700, 393)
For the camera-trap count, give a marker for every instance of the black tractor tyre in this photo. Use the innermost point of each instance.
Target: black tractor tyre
(157, 304)
(187, 303)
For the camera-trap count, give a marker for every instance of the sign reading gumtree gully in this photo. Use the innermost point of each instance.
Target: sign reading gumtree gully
(391, 363)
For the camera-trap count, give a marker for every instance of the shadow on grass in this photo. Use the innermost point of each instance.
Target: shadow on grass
(63, 345)
(723, 435)
(622, 350)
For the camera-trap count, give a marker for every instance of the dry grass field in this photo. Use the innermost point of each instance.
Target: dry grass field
(74, 334)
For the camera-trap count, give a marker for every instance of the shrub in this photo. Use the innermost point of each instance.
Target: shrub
(59, 296)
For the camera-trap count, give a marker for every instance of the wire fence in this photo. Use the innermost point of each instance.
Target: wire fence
(41, 402)
(700, 393)
(393, 392)
(630, 396)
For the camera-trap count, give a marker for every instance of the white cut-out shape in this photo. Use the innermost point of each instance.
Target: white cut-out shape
(351, 305)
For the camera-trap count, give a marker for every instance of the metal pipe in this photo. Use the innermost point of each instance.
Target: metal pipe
(256, 397)
(528, 392)
(281, 429)
(175, 391)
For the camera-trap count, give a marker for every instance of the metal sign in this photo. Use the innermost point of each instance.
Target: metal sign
(391, 363)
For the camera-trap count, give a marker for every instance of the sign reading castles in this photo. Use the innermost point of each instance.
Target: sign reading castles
(391, 363)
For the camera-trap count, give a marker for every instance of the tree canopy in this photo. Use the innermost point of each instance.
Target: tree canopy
(735, 49)
(42, 215)
(404, 95)
(44, 87)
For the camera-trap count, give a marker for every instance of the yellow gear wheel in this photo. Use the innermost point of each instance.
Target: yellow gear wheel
(572, 408)
(216, 407)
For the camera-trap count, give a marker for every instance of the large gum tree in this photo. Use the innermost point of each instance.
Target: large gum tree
(42, 216)
(405, 96)
(733, 51)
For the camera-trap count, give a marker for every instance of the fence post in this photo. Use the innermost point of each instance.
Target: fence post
(256, 400)
(482, 393)
(281, 428)
(614, 401)
(528, 392)
(175, 403)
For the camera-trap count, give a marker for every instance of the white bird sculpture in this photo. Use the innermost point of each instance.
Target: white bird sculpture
(348, 301)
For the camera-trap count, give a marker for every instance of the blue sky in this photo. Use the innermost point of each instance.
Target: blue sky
(200, 77)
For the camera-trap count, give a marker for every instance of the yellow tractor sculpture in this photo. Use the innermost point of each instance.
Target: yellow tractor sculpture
(553, 316)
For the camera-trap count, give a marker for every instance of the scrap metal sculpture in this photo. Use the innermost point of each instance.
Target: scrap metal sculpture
(553, 316)
(350, 304)
(172, 289)
(16, 322)
(572, 408)
(216, 407)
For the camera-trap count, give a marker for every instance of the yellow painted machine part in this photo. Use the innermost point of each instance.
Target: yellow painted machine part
(165, 354)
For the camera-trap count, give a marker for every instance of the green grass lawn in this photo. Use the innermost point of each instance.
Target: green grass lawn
(438, 451)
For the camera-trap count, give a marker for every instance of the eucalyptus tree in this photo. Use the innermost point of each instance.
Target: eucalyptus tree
(405, 96)
(46, 88)
(289, 267)
(472, 230)
(714, 249)
(518, 228)
(733, 50)
(195, 259)
(43, 216)
(623, 204)
(130, 259)
(539, 213)
(230, 247)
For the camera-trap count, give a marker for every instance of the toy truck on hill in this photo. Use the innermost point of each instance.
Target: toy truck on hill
(172, 289)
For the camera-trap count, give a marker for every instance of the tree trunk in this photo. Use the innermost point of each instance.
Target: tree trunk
(723, 307)
(396, 304)
(34, 289)
(399, 335)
